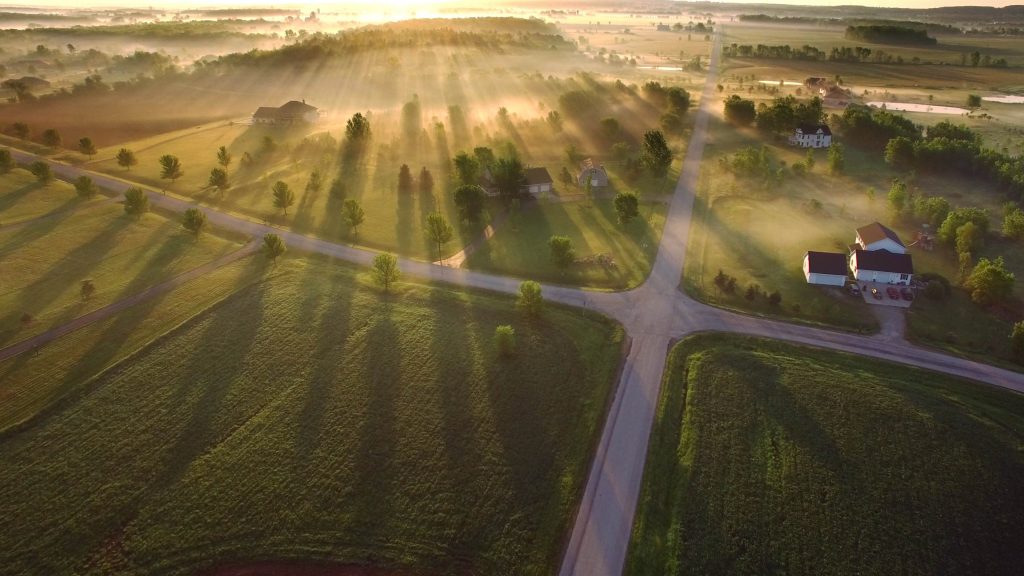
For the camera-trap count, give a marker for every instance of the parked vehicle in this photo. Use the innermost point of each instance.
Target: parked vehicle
(907, 294)
(876, 293)
(893, 293)
(853, 289)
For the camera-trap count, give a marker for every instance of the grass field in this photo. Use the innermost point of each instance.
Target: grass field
(44, 263)
(308, 417)
(825, 463)
(520, 246)
(22, 197)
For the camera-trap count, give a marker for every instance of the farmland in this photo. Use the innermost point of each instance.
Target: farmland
(886, 466)
(23, 198)
(422, 450)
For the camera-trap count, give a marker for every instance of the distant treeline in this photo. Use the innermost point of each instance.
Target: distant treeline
(37, 17)
(928, 26)
(194, 29)
(246, 13)
(889, 34)
(508, 25)
(849, 54)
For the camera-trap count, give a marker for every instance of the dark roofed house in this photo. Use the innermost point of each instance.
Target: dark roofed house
(876, 236)
(538, 181)
(826, 268)
(293, 112)
(882, 266)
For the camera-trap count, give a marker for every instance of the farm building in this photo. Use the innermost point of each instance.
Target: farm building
(808, 136)
(538, 181)
(595, 176)
(882, 266)
(294, 112)
(825, 268)
(876, 236)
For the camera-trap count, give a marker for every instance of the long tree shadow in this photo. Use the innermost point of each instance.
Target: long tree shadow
(11, 199)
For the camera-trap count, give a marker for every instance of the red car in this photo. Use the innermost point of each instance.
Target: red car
(875, 293)
(907, 294)
(892, 292)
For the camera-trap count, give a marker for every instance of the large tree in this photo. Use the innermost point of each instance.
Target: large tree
(404, 178)
(126, 158)
(41, 170)
(469, 199)
(467, 168)
(194, 220)
(561, 251)
(170, 168)
(136, 202)
(85, 146)
(85, 187)
(273, 246)
(385, 270)
(627, 206)
(990, 282)
(283, 196)
(357, 129)
(655, 154)
(353, 214)
(439, 231)
(508, 175)
(219, 179)
(739, 111)
(530, 300)
(52, 138)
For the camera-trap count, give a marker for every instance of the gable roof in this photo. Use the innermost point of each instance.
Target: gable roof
(875, 231)
(826, 263)
(538, 176)
(813, 129)
(297, 108)
(884, 261)
(265, 112)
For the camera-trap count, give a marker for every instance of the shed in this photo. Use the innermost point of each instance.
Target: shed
(825, 268)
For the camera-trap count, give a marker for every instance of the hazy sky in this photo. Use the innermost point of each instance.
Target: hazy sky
(412, 4)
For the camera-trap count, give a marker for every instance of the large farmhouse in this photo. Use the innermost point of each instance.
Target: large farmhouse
(875, 236)
(538, 181)
(877, 255)
(811, 136)
(881, 266)
(293, 112)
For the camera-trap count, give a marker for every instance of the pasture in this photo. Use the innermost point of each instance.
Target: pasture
(23, 198)
(886, 466)
(308, 417)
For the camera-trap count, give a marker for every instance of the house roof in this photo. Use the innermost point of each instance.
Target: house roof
(265, 112)
(587, 166)
(294, 107)
(826, 263)
(874, 232)
(813, 129)
(538, 176)
(884, 261)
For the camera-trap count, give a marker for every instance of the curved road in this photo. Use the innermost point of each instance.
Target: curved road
(653, 315)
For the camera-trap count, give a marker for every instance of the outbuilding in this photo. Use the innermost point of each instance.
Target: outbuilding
(825, 268)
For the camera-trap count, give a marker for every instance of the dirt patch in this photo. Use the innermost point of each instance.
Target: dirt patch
(295, 568)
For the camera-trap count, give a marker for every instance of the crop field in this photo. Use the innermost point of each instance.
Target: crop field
(45, 262)
(309, 417)
(885, 466)
(23, 198)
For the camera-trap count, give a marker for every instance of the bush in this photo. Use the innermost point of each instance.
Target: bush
(937, 287)
(530, 299)
(775, 298)
(505, 340)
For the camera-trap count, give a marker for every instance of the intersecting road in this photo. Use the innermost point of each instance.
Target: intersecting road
(653, 315)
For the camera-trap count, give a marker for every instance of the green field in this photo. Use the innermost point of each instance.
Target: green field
(23, 198)
(884, 469)
(308, 417)
(44, 263)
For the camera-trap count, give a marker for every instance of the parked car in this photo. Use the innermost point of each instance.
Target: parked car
(907, 294)
(853, 289)
(876, 293)
(893, 293)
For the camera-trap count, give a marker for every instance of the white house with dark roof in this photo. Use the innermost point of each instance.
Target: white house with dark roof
(811, 136)
(876, 236)
(882, 266)
(538, 181)
(825, 268)
(293, 112)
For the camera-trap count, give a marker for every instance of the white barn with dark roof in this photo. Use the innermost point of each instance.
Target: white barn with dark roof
(875, 236)
(825, 268)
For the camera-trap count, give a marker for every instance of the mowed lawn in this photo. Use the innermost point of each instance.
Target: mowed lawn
(309, 417)
(22, 197)
(519, 246)
(773, 458)
(43, 263)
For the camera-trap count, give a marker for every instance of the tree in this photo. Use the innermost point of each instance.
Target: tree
(385, 270)
(6, 161)
(1013, 224)
(51, 138)
(19, 130)
(85, 146)
(353, 214)
(273, 246)
(775, 298)
(126, 158)
(41, 170)
(990, 282)
(957, 218)
(170, 168)
(610, 128)
(508, 176)
(655, 154)
(85, 187)
(973, 101)
(194, 220)
(836, 159)
(530, 300)
(968, 238)
(484, 155)
(404, 179)
(357, 129)
(439, 231)
(315, 182)
(136, 202)
(562, 252)
(678, 100)
(469, 199)
(739, 111)
(1017, 342)
(87, 289)
(627, 206)
(219, 180)
(898, 197)
(505, 340)
(283, 196)
(426, 181)
(223, 157)
(467, 169)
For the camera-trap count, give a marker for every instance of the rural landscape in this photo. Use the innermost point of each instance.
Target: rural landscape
(415, 288)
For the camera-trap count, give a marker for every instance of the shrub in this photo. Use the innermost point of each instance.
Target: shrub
(530, 299)
(505, 340)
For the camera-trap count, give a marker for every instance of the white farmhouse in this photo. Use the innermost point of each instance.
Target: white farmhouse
(811, 136)
(875, 236)
(881, 266)
(825, 268)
